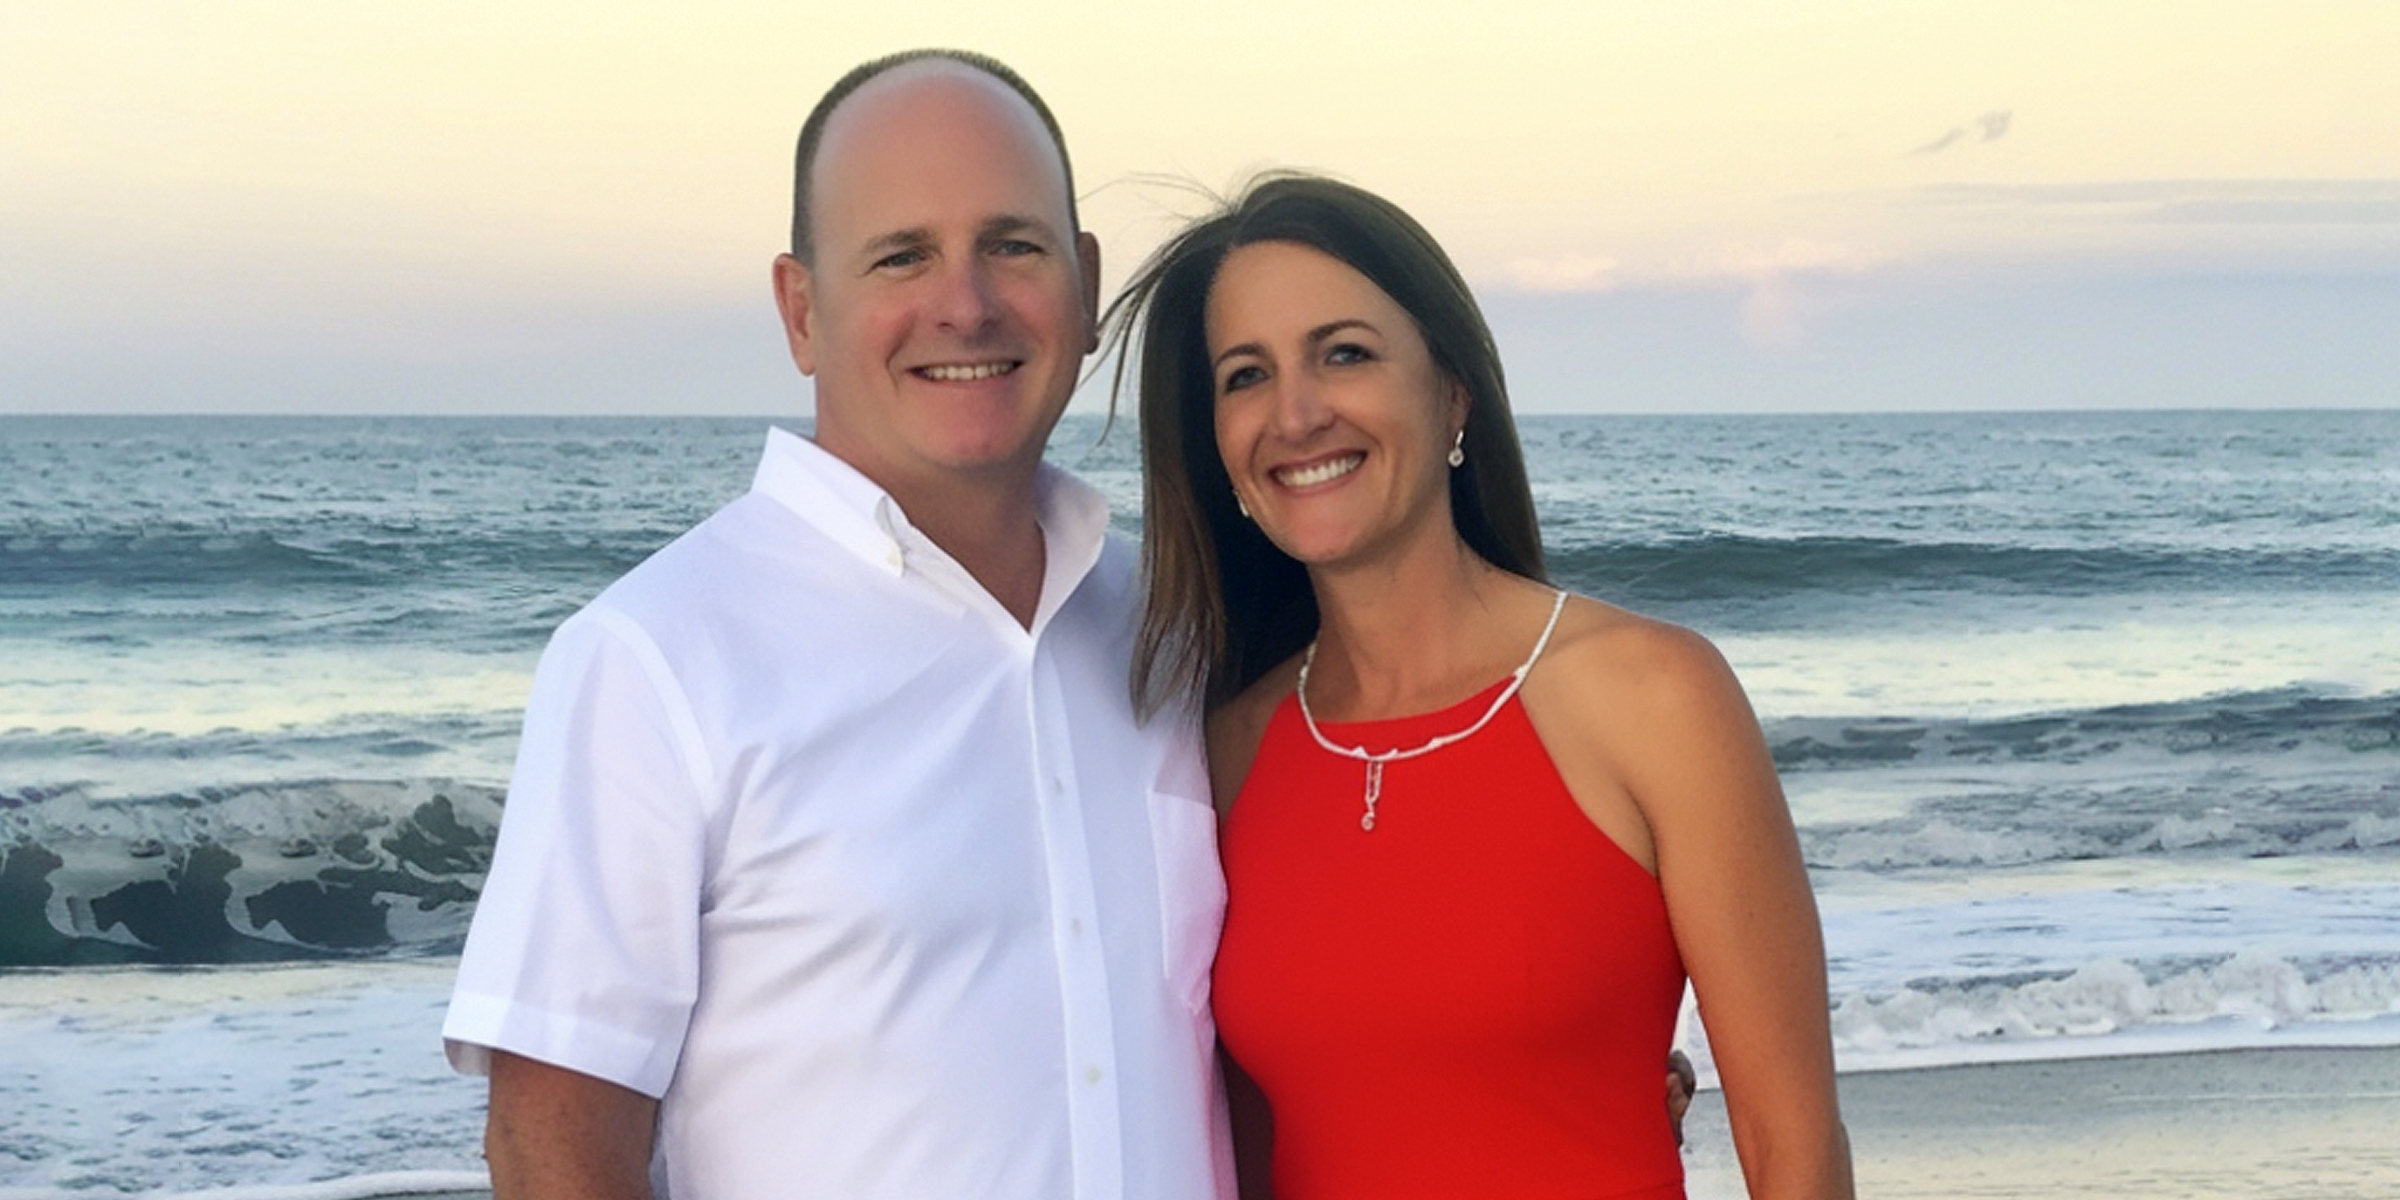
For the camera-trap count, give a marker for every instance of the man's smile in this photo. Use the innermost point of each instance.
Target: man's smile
(966, 372)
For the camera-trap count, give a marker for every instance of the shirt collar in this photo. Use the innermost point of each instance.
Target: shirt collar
(1074, 517)
(833, 496)
(862, 518)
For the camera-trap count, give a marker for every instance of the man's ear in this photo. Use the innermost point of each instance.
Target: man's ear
(795, 300)
(1087, 255)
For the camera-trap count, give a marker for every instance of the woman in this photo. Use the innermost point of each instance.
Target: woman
(1476, 830)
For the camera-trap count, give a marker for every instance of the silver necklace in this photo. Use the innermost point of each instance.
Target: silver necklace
(1376, 758)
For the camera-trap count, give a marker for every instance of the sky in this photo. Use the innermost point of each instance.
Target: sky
(1665, 205)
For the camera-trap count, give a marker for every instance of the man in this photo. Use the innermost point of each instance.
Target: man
(827, 867)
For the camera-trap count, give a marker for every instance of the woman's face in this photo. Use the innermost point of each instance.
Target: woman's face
(1333, 421)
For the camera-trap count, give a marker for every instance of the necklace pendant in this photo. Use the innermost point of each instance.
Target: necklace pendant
(1375, 761)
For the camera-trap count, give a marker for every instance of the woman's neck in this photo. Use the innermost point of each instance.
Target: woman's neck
(1414, 635)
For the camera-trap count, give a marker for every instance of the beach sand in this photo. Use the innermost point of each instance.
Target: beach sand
(2290, 1124)
(2293, 1124)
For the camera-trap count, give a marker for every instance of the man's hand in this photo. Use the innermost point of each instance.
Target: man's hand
(1682, 1081)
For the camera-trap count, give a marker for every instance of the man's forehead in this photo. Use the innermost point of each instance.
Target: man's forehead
(914, 108)
(915, 80)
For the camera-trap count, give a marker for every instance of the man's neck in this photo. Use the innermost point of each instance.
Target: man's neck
(992, 527)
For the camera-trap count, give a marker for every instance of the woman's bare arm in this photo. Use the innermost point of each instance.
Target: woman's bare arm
(1666, 750)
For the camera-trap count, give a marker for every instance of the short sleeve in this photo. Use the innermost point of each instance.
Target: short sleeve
(584, 949)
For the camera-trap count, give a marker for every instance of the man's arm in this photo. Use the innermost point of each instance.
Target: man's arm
(556, 1134)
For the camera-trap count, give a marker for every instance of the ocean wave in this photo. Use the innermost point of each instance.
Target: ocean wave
(492, 590)
(2243, 995)
(2108, 1006)
(2238, 776)
(2294, 771)
(1732, 567)
(259, 873)
(558, 552)
(381, 1184)
(2104, 826)
(2277, 721)
(567, 549)
(377, 736)
(32, 562)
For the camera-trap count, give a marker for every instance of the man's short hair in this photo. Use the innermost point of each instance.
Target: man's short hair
(812, 131)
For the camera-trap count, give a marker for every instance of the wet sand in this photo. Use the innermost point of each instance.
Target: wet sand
(2287, 1124)
(2292, 1124)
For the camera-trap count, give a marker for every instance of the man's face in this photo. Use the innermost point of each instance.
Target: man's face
(951, 302)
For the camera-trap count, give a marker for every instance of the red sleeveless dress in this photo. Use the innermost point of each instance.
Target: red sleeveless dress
(1474, 999)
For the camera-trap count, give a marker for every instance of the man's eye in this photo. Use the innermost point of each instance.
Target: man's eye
(901, 258)
(1015, 247)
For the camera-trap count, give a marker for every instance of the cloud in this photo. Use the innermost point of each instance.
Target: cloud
(2258, 202)
(1566, 273)
(1788, 257)
(1944, 142)
(1783, 290)
(1771, 315)
(1741, 265)
(1994, 126)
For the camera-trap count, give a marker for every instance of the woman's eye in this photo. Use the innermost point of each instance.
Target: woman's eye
(1239, 378)
(1347, 352)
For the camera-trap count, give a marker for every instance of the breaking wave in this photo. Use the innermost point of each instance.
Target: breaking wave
(258, 873)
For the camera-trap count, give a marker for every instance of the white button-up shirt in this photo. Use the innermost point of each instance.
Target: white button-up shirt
(883, 894)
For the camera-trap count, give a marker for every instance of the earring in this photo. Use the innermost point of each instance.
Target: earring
(1241, 504)
(1458, 449)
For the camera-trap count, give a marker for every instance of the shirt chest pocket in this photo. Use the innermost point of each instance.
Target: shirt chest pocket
(1191, 890)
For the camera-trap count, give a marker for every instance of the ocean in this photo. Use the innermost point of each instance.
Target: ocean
(2090, 723)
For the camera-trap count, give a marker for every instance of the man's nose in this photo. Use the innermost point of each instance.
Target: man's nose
(967, 298)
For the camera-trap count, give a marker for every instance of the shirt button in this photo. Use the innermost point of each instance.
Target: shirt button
(1091, 1075)
(1075, 926)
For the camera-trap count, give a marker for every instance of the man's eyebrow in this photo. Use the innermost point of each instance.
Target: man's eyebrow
(912, 238)
(918, 237)
(1006, 224)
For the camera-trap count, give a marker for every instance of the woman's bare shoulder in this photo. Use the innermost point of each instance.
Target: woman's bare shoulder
(1602, 645)
(1654, 707)
(1616, 675)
